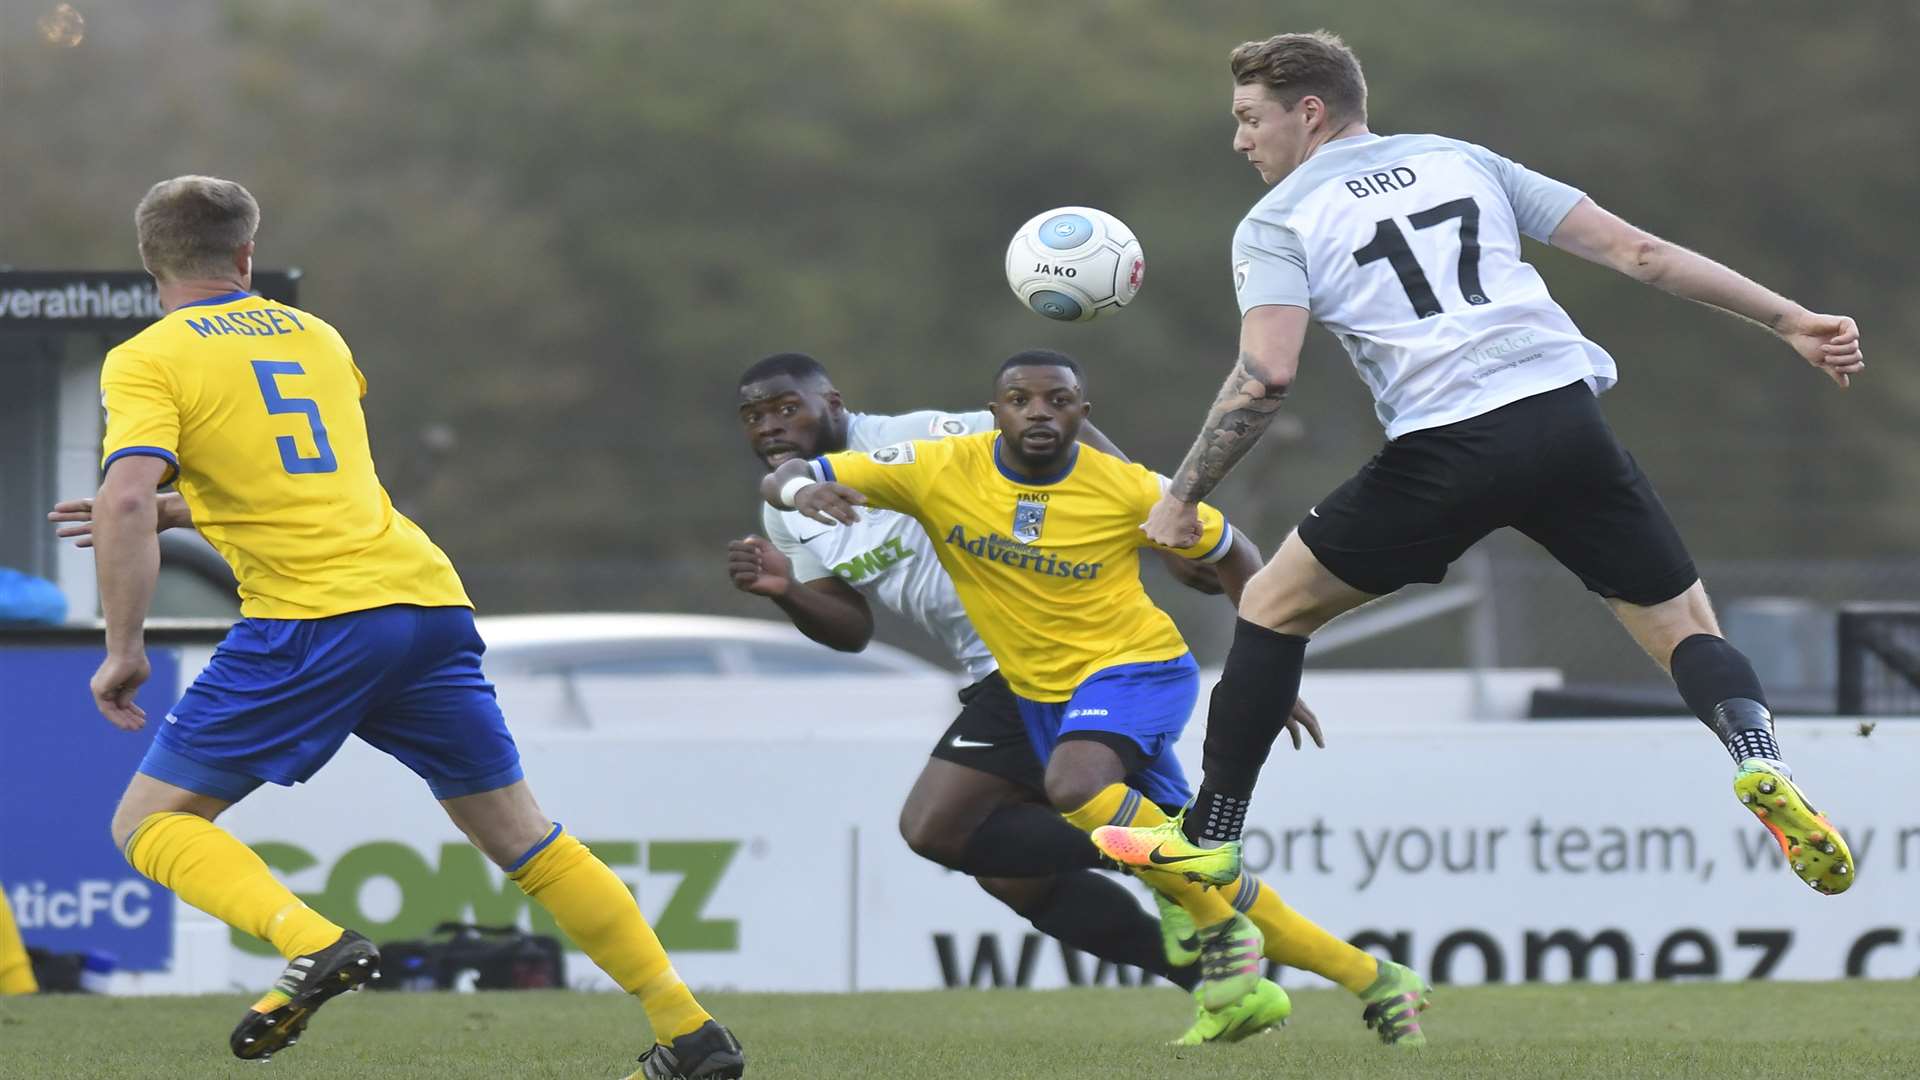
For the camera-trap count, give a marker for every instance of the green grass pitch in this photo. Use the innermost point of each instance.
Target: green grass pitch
(1697, 1031)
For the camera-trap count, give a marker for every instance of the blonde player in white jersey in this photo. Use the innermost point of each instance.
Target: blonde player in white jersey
(1407, 248)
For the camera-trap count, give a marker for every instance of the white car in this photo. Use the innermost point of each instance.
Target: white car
(698, 674)
(674, 645)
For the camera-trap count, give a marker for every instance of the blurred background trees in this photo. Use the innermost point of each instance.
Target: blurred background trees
(556, 230)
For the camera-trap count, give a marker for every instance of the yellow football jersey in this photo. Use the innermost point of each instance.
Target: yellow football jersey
(1048, 570)
(256, 405)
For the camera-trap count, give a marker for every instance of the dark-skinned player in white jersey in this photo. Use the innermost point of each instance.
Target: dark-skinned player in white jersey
(1407, 248)
(1039, 535)
(979, 804)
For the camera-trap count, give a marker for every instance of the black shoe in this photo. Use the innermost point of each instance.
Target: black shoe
(709, 1052)
(309, 982)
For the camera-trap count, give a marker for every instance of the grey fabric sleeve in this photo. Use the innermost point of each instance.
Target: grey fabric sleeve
(1540, 203)
(1269, 266)
(976, 422)
(806, 566)
(922, 424)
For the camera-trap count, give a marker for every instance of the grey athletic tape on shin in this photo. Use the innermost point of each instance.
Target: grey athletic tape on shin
(1745, 727)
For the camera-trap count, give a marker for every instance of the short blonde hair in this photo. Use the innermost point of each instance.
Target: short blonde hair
(1292, 66)
(190, 226)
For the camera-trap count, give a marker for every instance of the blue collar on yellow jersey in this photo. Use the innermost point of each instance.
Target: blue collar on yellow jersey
(1073, 456)
(237, 294)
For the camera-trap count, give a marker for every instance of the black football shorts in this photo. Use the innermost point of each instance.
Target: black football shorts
(1547, 465)
(989, 735)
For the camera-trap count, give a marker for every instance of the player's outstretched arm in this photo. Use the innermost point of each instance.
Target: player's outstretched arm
(1198, 576)
(1270, 340)
(1830, 343)
(827, 609)
(825, 503)
(127, 559)
(75, 517)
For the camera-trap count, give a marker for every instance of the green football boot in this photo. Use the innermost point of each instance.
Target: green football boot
(1231, 963)
(1394, 1003)
(1177, 934)
(1165, 847)
(1813, 847)
(1267, 1007)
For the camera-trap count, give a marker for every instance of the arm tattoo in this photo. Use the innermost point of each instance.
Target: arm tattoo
(1240, 415)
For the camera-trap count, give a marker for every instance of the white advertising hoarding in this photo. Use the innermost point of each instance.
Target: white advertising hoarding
(769, 858)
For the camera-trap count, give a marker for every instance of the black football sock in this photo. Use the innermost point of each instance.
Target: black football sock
(1099, 916)
(1720, 686)
(1027, 840)
(1248, 711)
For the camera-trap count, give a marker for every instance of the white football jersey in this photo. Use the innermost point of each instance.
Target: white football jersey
(887, 555)
(1407, 247)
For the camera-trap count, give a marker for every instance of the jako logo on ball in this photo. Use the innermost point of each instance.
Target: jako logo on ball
(1075, 263)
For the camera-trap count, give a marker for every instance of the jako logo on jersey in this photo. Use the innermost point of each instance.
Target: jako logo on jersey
(868, 563)
(1071, 713)
(997, 548)
(1028, 517)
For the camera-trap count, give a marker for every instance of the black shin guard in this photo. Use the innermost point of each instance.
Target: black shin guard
(1720, 686)
(1027, 840)
(1249, 709)
(1098, 915)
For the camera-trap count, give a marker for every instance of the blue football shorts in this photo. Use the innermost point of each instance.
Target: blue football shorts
(280, 697)
(1147, 703)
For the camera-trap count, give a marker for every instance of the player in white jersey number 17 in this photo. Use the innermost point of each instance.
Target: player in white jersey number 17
(1406, 247)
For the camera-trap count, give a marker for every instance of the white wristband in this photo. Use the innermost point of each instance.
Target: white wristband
(792, 487)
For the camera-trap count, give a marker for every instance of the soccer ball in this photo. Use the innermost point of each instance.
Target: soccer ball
(1075, 264)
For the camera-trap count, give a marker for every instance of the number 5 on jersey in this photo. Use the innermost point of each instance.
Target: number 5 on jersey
(268, 373)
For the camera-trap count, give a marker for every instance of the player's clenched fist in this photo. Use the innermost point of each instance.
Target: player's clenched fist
(758, 567)
(1828, 342)
(1173, 523)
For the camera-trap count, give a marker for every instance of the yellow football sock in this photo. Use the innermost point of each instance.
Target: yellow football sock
(1297, 941)
(1291, 938)
(16, 971)
(1118, 804)
(594, 908)
(205, 866)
